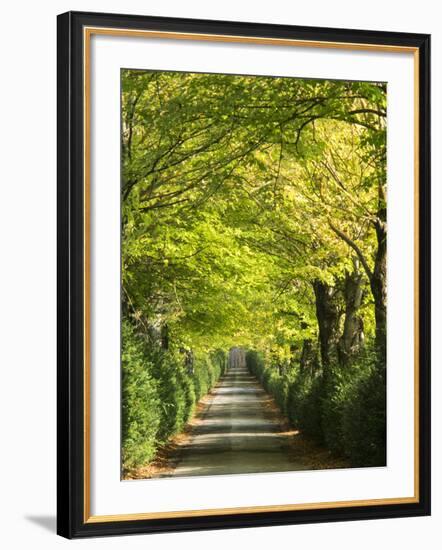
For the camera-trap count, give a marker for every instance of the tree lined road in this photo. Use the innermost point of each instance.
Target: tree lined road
(236, 433)
(253, 214)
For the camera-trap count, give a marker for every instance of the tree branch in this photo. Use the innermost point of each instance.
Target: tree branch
(355, 247)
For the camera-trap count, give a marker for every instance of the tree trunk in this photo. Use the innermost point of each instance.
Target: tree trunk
(377, 277)
(165, 336)
(353, 332)
(327, 313)
(308, 362)
(378, 284)
(309, 358)
(188, 360)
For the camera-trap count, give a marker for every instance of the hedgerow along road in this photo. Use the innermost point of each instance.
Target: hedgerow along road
(237, 432)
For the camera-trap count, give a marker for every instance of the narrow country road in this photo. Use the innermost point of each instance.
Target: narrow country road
(236, 433)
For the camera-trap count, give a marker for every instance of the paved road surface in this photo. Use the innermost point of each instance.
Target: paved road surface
(235, 434)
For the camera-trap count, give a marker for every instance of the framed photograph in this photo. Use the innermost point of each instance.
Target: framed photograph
(243, 274)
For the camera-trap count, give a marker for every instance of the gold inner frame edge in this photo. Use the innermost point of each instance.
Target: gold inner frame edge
(87, 34)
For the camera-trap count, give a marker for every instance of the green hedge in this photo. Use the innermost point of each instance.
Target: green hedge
(159, 393)
(141, 407)
(206, 372)
(345, 410)
(304, 407)
(364, 417)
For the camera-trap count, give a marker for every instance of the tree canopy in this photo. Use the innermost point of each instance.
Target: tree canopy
(240, 193)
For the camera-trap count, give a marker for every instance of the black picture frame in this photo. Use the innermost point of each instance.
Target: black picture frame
(72, 394)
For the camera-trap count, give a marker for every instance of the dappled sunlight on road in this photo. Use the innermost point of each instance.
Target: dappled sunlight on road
(235, 433)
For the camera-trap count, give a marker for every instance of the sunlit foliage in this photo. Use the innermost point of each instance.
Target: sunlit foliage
(254, 215)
